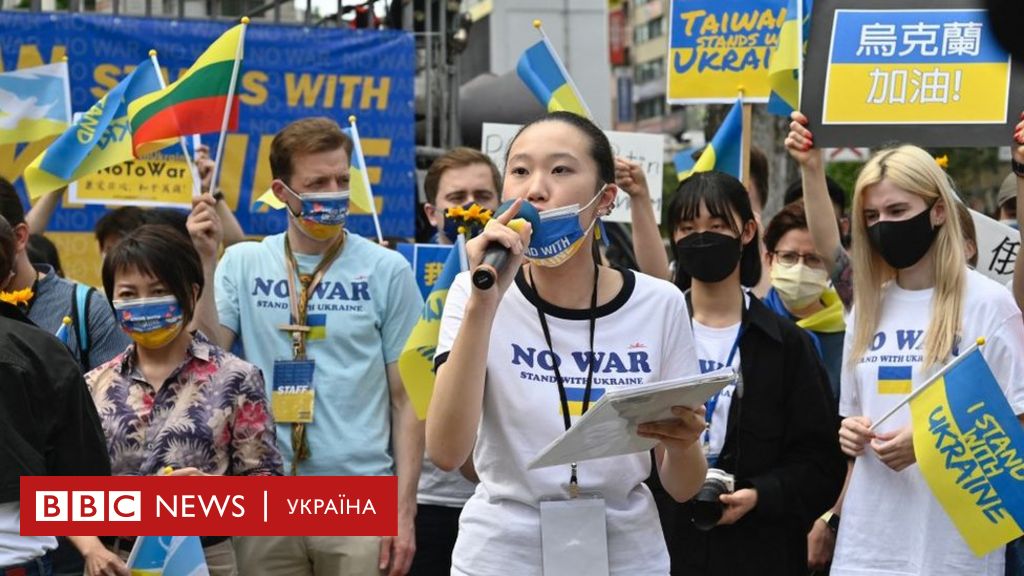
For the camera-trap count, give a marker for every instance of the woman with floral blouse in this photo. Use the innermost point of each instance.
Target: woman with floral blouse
(173, 400)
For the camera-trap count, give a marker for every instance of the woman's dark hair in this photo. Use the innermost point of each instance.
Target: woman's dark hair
(791, 217)
(42, 251)
(161, 252)
(722, 195)
(600, 148)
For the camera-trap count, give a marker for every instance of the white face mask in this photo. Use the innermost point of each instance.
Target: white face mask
(798, 285)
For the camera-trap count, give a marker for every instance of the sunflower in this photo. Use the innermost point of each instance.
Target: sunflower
(17, 297)
(942, 161)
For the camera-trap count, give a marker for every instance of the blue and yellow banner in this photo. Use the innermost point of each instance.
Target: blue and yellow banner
(718, 48)
(915, 67)
(970, 449)
(416, 363)
(427, 261)
(291, 72)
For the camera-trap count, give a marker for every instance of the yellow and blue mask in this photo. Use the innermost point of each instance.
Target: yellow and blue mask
(323, 214)
(151, 322)
(560, 235)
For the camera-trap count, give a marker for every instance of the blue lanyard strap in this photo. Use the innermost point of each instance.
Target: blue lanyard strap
(713, 401)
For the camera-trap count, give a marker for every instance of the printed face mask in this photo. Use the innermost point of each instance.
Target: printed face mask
(904, 242)
(323, 213)
(708, 256)
(560, 234)
(798, 285)
(151, 322)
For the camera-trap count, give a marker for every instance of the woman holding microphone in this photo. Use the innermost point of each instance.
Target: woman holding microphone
(517, 361)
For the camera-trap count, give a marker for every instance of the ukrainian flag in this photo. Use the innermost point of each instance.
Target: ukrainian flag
(970, 449)
(785, 61)
(360, 192)
(575, 398)
(34, 103)
(416, 364)
(894, 379)
(543, 73)
(317, 326)
(100, 138)
(157, 555)
(725, 153)
(683, 161)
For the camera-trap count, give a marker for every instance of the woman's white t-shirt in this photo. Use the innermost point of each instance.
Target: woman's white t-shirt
(642, 335)
(891, 522)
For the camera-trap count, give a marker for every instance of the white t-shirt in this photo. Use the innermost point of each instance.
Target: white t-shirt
(892, 524)
(642, 335)
(713, 348)
(440, 488)
(14, 548)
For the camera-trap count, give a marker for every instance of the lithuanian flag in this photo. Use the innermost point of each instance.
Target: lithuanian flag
(197, 102)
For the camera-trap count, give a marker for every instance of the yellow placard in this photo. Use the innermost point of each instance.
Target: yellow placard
(156, 180)
(903, 93)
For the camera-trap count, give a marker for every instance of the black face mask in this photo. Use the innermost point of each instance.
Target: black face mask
(903, 243)
(708, 256)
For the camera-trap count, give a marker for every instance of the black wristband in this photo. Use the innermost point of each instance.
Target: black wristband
(1017, 167)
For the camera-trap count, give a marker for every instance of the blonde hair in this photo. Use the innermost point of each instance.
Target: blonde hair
(912, 170)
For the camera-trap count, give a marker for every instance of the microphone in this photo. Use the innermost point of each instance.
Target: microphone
(496, 255)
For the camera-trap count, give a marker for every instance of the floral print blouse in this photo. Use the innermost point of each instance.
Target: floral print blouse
(211, 413)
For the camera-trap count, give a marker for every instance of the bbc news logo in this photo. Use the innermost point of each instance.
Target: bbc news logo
(236, 506)
(88, 506)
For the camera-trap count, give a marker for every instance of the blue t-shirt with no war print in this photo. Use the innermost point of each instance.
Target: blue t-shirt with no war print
(360, 316)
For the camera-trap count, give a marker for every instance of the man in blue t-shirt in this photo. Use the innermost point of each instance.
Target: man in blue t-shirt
(340, 405)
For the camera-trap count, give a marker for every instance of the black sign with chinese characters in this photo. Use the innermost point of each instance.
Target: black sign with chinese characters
(924, 71)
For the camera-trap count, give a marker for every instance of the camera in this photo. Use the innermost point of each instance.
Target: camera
(706, 508)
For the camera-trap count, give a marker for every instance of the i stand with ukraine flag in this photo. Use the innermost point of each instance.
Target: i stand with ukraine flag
(970, 449)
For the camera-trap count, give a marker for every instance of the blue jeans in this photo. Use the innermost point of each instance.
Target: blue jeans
(38, 567)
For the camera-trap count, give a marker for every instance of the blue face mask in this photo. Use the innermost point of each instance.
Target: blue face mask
(151, 322)
(323, 213)
(560, 234)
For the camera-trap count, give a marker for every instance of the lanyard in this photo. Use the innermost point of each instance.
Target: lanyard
(562, 396)
(301, 287)
(713, 401)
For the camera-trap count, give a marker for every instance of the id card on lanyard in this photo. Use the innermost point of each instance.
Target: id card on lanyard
(712, 403)
(293, 395)
(574, 532)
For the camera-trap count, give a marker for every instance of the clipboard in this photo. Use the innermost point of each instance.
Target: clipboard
(609, 427)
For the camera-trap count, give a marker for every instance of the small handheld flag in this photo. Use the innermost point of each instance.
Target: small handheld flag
(203, 99)
(168, 555)
(416, 364)
(786, 60)
(100, 138)
(969, 447)
(542, 71)
(725, 152)
(64, 332)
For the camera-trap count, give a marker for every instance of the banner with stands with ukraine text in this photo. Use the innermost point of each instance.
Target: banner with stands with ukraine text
(718, 47)
(909, 70)
(290, 73)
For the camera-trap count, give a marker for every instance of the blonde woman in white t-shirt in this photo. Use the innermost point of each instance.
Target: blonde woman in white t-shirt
(916, 306)
(515, 363)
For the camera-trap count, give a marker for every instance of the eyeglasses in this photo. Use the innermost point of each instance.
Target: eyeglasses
(788, 258)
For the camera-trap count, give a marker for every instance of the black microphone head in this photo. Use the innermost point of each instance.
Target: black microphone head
(526, 212)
